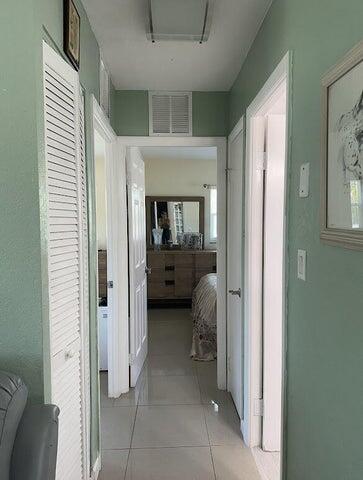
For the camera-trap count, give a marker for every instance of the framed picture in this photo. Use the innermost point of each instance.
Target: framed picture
(72, 24)
(342, 153)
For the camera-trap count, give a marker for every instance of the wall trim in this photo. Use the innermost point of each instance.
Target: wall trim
(258, 107)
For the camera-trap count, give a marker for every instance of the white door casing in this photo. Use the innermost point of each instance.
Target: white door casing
(67, 256)
(117, 256)
(137, 262)
(277, 85)
(273, 281)
(234, 265)
(220, 144)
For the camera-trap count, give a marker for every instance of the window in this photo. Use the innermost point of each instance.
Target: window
(213, 214)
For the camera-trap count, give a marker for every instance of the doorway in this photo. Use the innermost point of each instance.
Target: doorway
(266, 123)
(127, 144)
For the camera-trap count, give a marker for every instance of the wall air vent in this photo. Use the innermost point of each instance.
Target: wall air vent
(170, 114)
(179, 20)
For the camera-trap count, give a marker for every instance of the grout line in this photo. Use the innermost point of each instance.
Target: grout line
(163, 447)
(131, 438)
(206, 426)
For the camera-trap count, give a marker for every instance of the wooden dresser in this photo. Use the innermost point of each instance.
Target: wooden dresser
(175, 273)
(102, 273)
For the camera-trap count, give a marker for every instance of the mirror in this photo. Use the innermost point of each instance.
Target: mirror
(174, 217)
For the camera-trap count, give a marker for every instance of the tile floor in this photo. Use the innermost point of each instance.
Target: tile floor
(176, 424)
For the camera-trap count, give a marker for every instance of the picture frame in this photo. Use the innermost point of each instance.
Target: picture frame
(71, 32)
(342, 153)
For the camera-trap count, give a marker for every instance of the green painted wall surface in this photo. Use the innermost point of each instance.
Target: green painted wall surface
(325, 319)
(210, 114)
(20, 272)
(24, 324)
(131, 113)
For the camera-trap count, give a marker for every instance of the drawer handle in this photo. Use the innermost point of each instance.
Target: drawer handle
(169, 268)
(169, 282)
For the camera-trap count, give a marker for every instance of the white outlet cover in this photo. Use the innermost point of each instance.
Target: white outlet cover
(301, 264)
(304, 180)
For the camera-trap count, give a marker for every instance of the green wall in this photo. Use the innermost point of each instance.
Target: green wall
(131, 113)
(325, 313)
(20, 268)
(24, 325)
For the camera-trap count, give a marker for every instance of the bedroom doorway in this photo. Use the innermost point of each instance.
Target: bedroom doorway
(266, 165)
(184, 204)
(181, 241)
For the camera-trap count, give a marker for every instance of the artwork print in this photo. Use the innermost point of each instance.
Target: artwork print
(72, 32)
(345, 151)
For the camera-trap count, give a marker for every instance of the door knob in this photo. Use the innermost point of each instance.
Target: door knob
(235, 292)
(148, 271)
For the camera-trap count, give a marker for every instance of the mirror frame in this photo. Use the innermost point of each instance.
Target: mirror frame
(171, 198)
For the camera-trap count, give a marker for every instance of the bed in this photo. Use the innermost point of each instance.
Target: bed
(204, 313)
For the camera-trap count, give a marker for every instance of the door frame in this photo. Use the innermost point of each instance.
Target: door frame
(118, 329)
(253, 249)
(220, 144)
(238, 128)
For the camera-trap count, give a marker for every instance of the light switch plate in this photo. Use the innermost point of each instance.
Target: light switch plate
(301, 264)
(304, 180)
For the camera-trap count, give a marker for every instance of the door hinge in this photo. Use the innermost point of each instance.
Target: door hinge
(258, 407)
(131, 358)
(262, 161)
(110, 284)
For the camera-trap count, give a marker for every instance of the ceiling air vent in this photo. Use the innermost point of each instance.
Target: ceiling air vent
(170, 113)
(179, 20)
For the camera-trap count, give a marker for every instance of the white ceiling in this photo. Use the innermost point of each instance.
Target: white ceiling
(179, 153)
(137, 64)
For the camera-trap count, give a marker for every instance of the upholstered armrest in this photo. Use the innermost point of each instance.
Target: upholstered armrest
(35, 448)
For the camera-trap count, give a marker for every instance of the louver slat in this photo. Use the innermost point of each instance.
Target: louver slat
(64, 174)
(170, 113)
(180, 114)
(161, 113)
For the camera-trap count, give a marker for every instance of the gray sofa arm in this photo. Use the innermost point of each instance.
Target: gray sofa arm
(35, 448)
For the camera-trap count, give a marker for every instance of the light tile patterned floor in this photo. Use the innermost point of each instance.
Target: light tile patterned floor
(176, 424)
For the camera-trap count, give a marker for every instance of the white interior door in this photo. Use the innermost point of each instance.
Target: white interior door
(67, 262)
(273, 294)
(234, 268)
(137, 262)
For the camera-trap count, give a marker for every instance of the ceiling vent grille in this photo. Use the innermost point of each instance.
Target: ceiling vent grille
(170, 113)
(186, 20)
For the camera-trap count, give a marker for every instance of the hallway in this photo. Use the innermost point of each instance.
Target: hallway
(175, 424)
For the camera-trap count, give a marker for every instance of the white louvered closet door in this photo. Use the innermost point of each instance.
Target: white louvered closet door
(67, 261)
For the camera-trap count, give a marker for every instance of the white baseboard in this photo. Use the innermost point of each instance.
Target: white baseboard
(96, 469)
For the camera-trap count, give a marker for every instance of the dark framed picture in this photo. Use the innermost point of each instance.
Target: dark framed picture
(71, 33)
(342, 153)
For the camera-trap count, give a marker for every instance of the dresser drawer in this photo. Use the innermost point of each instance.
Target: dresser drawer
(184, 279)
(157, 275)
(205, 260)
(155, 260)
(184, 260)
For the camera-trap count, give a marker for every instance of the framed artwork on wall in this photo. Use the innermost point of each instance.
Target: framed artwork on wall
(342, 153)
(71, 32)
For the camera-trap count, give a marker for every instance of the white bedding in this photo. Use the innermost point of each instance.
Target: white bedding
(204, 313)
